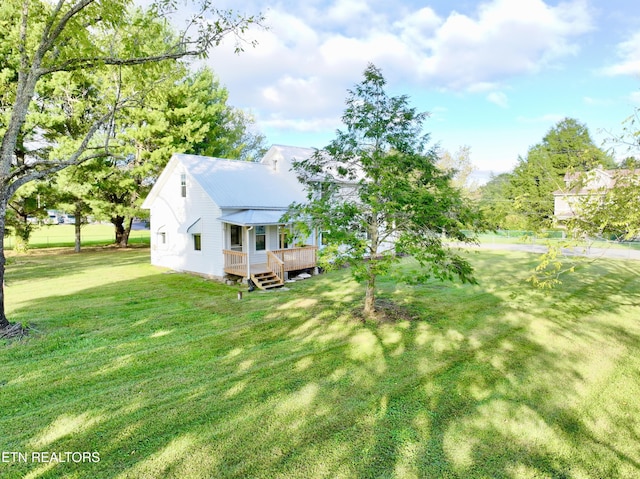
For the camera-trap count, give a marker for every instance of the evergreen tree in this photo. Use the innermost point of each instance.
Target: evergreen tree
(186, 113)
(567, 147)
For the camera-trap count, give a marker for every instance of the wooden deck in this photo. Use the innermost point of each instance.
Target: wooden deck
(279, 261)
(255, 269)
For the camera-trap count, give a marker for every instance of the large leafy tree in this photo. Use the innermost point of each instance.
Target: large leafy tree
(460, 162)
(566, 147)
(375, 191)
(187, 114)
(41, 39)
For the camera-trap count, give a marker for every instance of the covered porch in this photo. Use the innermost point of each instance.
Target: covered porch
(257, 247)
(279, 261)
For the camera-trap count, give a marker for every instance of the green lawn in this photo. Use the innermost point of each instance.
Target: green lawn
(48, 236)
(169, 375)
(518, 237)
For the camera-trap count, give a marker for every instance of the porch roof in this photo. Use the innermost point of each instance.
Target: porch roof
(254, 217)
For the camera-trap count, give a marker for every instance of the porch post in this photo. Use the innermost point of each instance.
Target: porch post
(281, 227)
(248, 255)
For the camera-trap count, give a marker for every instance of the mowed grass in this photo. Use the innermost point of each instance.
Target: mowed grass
(55, 236)
(169, 375)
(495, 239)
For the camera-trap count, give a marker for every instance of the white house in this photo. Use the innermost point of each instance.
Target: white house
(219, 217)
(580, 186)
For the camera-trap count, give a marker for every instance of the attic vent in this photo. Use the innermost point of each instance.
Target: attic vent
(183, 185)
(275, 164)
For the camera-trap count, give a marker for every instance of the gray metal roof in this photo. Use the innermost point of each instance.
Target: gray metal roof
(243, 184)
(254, 217)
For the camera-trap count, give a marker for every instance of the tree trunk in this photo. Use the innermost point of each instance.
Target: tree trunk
(78, 226)
(118, 222)
(370, 289)
(4, 322)
(127, 232)
(78, 241)
(23, 232)
(122, 231)
(370, 294)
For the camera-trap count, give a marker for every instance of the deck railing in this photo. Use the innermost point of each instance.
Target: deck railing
(276, 265)
(279, 261)
(235, 262)
(297, 258)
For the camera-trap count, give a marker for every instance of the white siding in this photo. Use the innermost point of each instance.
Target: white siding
(562, 207)
(173, 214)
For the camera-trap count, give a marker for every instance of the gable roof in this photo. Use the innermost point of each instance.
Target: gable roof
(595, 181)
(236, 184)
(282, 157)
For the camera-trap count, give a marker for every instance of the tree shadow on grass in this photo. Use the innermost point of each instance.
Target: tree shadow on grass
(289, 385)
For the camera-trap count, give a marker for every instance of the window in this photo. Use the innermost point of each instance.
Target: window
(162, 237)
(236, 237)
(197, 242)
(261, 238)
(183, 185)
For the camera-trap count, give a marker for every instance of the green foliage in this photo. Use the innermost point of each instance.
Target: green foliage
(184, 112)
(523, 198)
(461, 167)
(65, 77)
(629, 139)
(608, 208)
(103, 96)
(376, 192)
(567, 147)
(612, 213)
(497, 204)
(554, 264)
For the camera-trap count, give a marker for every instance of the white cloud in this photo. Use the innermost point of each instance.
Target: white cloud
(301, 124)
(498, 98)
(305, 96)
(504, 39)
(629, 54)
(312, 53)
(346, 11)
(417, 28)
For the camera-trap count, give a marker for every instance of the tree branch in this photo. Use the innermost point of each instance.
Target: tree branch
(75, 159)
(77, 63)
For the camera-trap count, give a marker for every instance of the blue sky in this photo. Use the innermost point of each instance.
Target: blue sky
(496, 75)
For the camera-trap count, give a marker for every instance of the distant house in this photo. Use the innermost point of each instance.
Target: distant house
(581, 185)
(220, 217)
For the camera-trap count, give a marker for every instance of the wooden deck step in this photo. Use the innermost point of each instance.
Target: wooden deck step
(266, 280)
